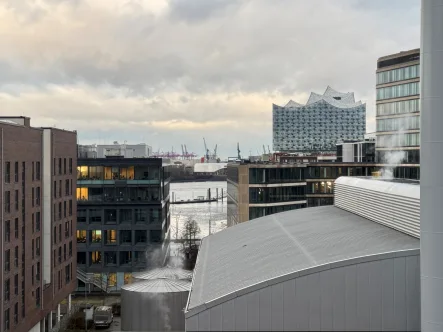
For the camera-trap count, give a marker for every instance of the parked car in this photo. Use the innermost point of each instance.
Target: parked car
(103, 316)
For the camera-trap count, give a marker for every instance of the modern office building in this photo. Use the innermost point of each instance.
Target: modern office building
(122, 219)
(354, 266)
(398, 108)
(260, 189)
(319, 125)
(357, 152)
(38, 223)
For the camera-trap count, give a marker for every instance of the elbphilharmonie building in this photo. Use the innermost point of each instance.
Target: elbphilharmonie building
(319, 125)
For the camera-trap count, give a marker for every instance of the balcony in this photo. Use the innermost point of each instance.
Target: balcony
(118, 195)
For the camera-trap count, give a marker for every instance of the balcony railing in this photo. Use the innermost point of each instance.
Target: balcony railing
(84, 182)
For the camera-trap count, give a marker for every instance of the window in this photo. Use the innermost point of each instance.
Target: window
(67, 274)
(96, 236)
(66, 229)
(70, 248)
(32, 249)
(140, 236)
(64, 252)
(125, 237)
(16, 228)
(6, 320)
(55, 189)
(37, 221)
(59, 255)
(33, 197)
(7, 172)
(59, 233)
(400, 74)
(16, 284)
(59, 166)
(7, 231)
(7, 201)
(81, 236)
(32, 274)
(125, 216)
(66, 187)
(60, 188)
(70, 207)
(16, 313)
(127, 277)
(16, 256)
(8, 260)
(60, 211)
(81, 258)
(112, 279)
(64, 209)
(55, 234)
(397, 91)
(70, 187)
(64, 166)
(37, 297)
(7, 289)
(37, 171)
(16, 200)
(95, 216)
(141, 216)
(37, 201)
(37, 246)
(155, 236)
(70, 165)
(81, 216)
(16, 171)
(110, 236)
(110, 216)
(37, 274)
(96, 257)
(110, 258)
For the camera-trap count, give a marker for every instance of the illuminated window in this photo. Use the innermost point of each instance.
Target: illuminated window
(81, 236)
(96, 236)
(123, 173)
(82, 194)
(108, 173)
(82, 173)
(112, 279)
(96, 257)
(130, 173)
(111, 236)
(127, 278)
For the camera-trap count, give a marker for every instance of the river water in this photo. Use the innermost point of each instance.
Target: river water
(211, 217)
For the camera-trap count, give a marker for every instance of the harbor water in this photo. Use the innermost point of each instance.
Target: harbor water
(211, 217)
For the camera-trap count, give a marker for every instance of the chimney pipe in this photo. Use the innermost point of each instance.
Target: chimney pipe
(431, 183)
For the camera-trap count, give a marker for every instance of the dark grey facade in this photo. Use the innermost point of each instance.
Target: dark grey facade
(122, 217)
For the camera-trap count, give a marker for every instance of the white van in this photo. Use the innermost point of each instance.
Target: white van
(103, 316)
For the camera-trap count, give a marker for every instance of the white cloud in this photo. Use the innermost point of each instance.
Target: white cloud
(184, 69)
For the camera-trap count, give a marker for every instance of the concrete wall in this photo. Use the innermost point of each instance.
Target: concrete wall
(378, 295)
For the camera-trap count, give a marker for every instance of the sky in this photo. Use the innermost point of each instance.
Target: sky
(170, 72)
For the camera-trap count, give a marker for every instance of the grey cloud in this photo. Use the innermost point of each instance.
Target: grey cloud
(200, 10)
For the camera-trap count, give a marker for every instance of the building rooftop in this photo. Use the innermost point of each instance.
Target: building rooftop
(330, 96)
(265, 249)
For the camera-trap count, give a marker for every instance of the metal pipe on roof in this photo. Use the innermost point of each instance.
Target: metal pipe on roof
(431, 259)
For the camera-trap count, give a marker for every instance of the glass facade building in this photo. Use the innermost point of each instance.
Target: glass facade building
(319, 125)
(122, 216)
(398, 109)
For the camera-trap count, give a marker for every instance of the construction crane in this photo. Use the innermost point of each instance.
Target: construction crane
(269, 150)
(215, 152)
(206, 150)
(238, 151)
(264, 149)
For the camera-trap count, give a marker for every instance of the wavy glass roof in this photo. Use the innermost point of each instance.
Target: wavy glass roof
(330, 96)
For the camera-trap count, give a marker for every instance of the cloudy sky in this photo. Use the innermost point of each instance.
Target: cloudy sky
(169, 72)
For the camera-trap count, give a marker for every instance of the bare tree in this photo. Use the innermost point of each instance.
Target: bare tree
(188, 239)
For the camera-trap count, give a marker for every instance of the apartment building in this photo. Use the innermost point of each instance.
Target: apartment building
(123, 219)
(38, 223)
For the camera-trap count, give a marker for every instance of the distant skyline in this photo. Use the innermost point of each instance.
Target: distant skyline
(168, 73)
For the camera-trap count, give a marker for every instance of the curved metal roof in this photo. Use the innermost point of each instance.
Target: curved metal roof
(159, 286)
(164, 273)
(263, 250)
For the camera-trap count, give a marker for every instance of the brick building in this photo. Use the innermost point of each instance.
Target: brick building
(38, 223)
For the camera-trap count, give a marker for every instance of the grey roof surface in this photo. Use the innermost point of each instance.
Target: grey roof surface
(163, 273)
(268, 247)
(159, 286)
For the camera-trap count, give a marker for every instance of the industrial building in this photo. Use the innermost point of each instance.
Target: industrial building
(349, 267)
(122, 219)
(38, 224)
(319, 125)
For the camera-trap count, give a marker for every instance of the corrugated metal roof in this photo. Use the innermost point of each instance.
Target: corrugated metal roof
(159, 286)
(266, 248)
(164, 273)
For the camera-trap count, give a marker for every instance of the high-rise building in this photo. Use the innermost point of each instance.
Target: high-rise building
(122, 219)
(38, 223)
(319, 125)
(398, 108)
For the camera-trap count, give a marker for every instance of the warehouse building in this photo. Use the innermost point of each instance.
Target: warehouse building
(351, 266)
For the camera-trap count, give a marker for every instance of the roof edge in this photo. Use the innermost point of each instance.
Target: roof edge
(293, 275)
